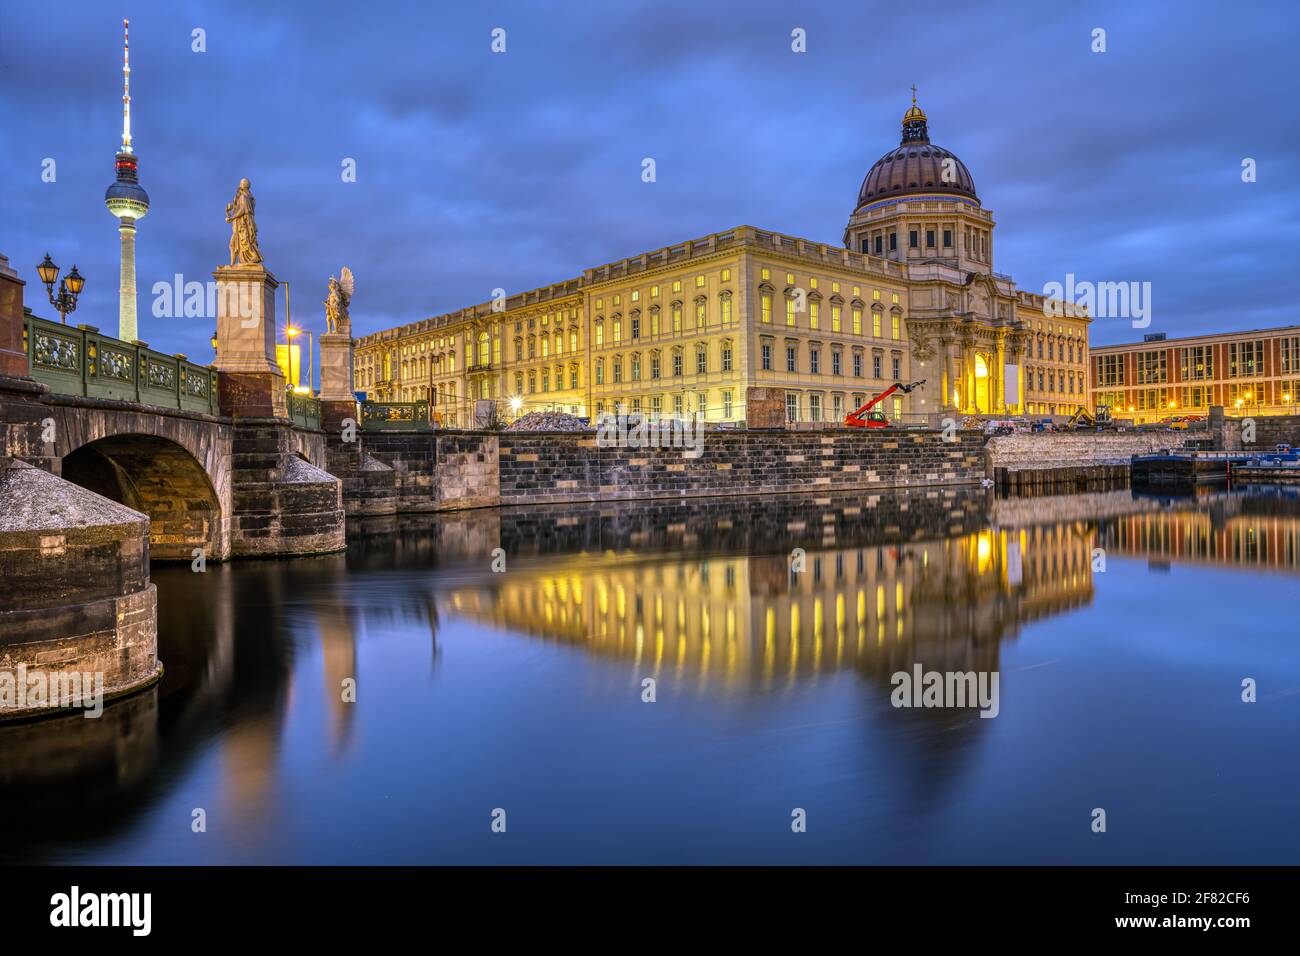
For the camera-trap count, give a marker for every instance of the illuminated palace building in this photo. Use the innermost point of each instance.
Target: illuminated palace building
(1248, 373)
(686, 329)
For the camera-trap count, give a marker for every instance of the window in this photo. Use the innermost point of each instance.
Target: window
(929, 238)
(701, 360)
(835, 318)
(618, 330)
(546, 380)
(726, 310)
(726, 356)
(573, 376)
(618, 369)
(894, 366)
(636, 327)
(791, 356)
(654, 365)
(893, 242)
(789, 311)
(701, 313)
(677, 364)
(792, 408)
(814, 361)
(766, 306)
(814, 408)
(654, 320)
(600, 371)
(656, 405)
(1151, 367)
(836, 364)
(894, 323)
(814, 314)
(875, 366)
(1245, 358)
(875, 322)
(677, 316)
(1290, 355)
(767, 358)
(573, 340)
(857, 365)
(726, 405)
(1110, 369)
(726, 275)
(600, 338)
(947, 238)
(857, 321)
(636, 367)
(914, 239)
(699, 282)
(636, 295)
(766, 274)
(677, 405)
(837, 407)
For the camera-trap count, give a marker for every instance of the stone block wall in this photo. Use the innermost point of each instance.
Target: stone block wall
(78, 597)
(412, 456)
(282, 504)
(1270, 430)
(554, 467)
(1064, 449)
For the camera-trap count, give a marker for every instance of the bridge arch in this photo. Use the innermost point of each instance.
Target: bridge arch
(159, 478)
(173, 467)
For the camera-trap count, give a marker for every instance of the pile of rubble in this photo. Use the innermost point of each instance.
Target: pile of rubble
(548, 422)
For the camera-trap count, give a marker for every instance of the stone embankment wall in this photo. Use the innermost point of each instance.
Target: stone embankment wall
(1270, 430)
(564, 466)
(1073, 449)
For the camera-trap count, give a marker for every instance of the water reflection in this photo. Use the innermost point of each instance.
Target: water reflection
(699, 593)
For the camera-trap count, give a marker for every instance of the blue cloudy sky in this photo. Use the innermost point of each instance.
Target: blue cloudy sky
(477, 170)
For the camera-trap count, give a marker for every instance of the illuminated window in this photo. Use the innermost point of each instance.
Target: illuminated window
(699, 282)
(726, 275)
(835, 318)
(814, 314)
(894, 327)
(677, 285)
(857, 321)
(766, 307)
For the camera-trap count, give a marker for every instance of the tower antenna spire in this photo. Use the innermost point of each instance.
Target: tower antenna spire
(126, 86)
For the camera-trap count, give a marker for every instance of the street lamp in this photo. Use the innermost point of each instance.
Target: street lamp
(69, 288)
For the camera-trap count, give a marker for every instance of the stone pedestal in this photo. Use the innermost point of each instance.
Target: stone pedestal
(251, 383)
(336, 367)
(13, 357)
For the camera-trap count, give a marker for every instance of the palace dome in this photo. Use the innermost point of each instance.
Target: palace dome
(916, 166)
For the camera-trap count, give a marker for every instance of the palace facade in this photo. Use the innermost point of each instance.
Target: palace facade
(685, 330)
(1248, 373)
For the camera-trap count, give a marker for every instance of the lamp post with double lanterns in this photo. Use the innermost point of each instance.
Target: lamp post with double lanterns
(69, 288)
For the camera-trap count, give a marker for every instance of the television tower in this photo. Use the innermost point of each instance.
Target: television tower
(128, 201)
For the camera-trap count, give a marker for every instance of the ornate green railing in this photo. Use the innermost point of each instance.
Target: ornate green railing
(80, 360)
(394, 416)
(304, 410)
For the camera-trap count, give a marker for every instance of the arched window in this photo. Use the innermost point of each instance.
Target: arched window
(600, 332)
(600, 371)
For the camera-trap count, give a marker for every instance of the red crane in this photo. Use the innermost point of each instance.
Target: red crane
(877, 419)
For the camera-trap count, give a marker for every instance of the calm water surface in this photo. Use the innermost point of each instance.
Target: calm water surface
(1119, 688)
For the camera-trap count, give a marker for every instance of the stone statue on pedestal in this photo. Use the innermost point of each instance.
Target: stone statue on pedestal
(337, 302)
(243, 229)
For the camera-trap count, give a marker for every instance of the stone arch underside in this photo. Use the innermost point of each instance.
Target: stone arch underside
(161, 479)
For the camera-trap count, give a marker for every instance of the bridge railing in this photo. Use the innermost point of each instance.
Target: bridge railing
(304, 410)
(395, 416)
(80, 360)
